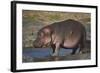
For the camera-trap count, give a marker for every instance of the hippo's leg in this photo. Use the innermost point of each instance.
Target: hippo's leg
(74, 51)
(82, 43)
(56, 50)
(53, 48)
(81, 48)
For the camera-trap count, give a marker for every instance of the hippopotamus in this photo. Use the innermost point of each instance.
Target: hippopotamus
(68, 34)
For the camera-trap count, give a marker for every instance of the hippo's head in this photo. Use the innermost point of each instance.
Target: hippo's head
(43, 38)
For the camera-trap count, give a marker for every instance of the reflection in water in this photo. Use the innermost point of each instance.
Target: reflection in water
(44, 54)
(41, 53)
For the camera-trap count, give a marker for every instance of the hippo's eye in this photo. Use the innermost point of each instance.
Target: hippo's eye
(42, 34)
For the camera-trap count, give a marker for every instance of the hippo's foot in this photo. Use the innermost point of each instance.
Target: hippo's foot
(55, 54)
(80, 52)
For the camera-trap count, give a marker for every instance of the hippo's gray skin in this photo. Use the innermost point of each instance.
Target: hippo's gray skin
(65, 34)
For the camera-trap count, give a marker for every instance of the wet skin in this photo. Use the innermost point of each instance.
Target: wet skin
(65, 34)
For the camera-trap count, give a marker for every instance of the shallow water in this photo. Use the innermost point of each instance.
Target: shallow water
(44, 54)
